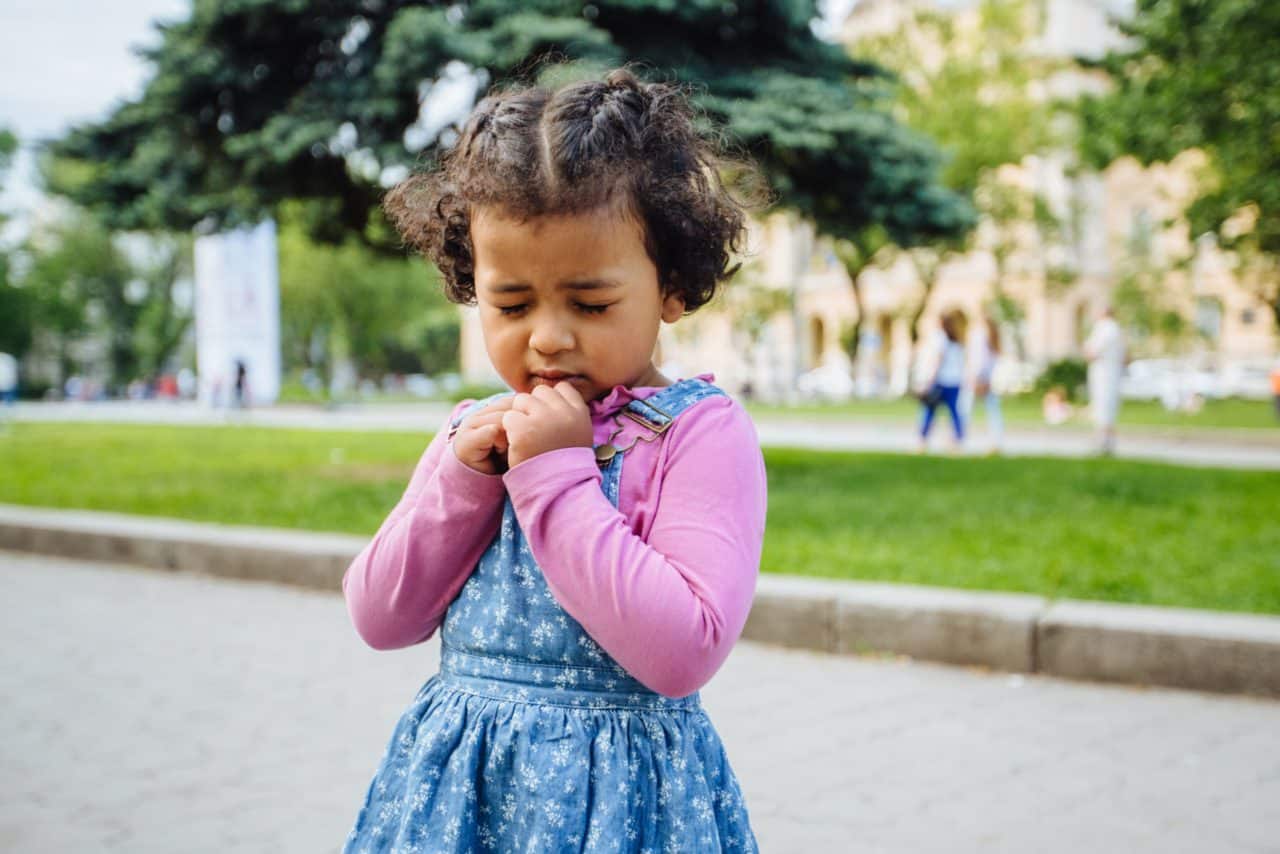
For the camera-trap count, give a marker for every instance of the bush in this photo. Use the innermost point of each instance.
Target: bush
(475, 392)
(34, 389)
(1070, 374)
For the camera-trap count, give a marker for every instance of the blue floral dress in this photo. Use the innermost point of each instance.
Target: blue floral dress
(531, 738)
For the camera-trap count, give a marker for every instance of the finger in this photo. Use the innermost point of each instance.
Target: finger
(532, 404)
(477, 445)
(482, 418)
(521, 402)
(548, 396)
(502, 404)
(570, 393)
(513, 420)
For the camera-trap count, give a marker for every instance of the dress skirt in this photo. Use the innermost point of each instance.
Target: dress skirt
(546, 758)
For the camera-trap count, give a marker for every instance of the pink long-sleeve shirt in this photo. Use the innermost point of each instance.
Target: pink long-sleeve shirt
(663, 582)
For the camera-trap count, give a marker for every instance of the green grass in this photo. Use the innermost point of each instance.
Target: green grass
(1243, 418)
(1087, 529)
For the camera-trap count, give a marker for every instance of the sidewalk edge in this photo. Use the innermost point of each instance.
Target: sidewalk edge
(1171, 647)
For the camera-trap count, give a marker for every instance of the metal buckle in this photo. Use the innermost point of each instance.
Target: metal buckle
(657, 427)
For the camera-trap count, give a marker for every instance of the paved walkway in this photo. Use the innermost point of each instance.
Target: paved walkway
(826, 433)
(152, 712)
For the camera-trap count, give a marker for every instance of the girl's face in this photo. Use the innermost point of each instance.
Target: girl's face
(571, 297)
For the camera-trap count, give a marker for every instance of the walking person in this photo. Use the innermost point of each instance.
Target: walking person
(8, 387)
(240, 398)
(943, 387)
(1275, 386)
(984, 354)
(1105, 350)
(588, 546)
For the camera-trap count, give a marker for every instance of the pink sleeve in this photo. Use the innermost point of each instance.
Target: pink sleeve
(398, 587)
(668, 609)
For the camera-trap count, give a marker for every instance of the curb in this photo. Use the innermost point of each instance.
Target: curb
(1172, 647)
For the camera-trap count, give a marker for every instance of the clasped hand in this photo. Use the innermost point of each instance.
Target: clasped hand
(511, 430)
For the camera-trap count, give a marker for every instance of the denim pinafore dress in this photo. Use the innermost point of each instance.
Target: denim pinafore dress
(531, 738)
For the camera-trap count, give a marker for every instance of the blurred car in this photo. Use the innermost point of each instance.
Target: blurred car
(420, 385)
(1147, 379)
(1014, 377)
(828, 382)
(1250, 380)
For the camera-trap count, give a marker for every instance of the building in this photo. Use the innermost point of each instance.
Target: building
(1115, 227)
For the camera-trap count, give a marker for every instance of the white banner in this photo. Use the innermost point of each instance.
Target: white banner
(238, 316)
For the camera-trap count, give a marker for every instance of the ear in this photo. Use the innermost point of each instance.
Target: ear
(672, 307)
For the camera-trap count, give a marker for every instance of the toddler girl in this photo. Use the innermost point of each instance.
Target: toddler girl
(588, 547)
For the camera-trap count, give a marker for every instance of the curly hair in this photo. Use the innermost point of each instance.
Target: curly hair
(618, 142)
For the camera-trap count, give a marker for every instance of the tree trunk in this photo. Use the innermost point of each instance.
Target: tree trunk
(928, 275)
(854, 269)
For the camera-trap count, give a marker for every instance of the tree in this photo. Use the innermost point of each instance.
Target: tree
(15, 304)
(347, 302)
(84, 287)
(1200, 74)
(260, 101)
(971, 86)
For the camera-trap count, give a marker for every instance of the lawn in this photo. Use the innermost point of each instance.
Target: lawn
(1243, 418)
(1086, 529)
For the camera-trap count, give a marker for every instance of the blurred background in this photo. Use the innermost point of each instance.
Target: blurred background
(204, 316)
(1033, 161)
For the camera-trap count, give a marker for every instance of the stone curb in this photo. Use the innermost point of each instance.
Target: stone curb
(1181, 648)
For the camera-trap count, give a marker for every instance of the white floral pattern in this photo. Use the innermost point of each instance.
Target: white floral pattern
(532, 738)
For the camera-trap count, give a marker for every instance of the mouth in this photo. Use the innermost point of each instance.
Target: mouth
(553, 377)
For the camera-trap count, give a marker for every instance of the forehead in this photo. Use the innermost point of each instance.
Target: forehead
(555, 248)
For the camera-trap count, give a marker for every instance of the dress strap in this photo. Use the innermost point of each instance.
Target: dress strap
(658, 411)
(474, 407)
(654, 415)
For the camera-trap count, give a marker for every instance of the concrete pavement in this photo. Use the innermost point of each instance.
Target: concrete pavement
(1173, 647)
(792, 431)
(153, 712)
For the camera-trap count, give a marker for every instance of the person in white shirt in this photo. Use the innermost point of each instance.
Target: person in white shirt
(948, 376)
(984, 352)
(1105, 350)
(8, 378)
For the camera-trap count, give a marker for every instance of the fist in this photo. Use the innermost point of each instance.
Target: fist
(481, 443)
(546, 419)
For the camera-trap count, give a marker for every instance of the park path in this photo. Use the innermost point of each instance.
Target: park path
(1227, 449)
(145, 711)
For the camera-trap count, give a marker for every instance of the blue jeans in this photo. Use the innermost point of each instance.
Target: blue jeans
(951, 397)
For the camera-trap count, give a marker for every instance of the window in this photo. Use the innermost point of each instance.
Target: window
(1209, 318)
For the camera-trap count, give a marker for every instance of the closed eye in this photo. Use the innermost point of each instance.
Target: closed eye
(593, 309)
(512, 310)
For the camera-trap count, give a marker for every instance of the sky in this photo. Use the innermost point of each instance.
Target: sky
(63, 62)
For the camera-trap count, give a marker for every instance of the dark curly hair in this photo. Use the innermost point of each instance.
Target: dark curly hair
(531, 151)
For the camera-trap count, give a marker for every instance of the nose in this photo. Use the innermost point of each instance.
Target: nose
(551, 334)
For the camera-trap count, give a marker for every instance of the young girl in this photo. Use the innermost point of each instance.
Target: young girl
(588, 546)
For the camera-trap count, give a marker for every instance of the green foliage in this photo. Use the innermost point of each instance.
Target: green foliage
(78, 283)
(15, 304)
(972, 91)
(1071, 375)
(249, 100)
(1142, 304)
(1198, 74)
(474, 391)
(346, 301)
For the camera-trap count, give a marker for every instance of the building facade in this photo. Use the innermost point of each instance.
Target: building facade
(791, 309)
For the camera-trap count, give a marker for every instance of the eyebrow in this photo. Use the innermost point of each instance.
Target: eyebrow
(582, 285)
